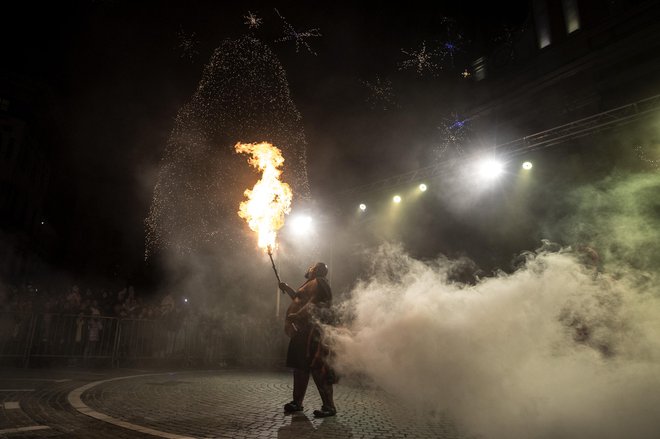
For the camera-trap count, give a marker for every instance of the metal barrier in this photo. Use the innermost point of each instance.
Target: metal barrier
(90, 340)
(15, 334)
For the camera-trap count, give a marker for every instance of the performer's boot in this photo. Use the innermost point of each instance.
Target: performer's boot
(300, 381)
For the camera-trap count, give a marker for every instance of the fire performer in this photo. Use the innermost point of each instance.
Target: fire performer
(310, 307)
(264, 209)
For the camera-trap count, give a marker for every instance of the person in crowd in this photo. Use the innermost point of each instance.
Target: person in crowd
(74, 299)
(94, 328)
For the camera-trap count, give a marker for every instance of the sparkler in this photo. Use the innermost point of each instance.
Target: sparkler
(269, 200)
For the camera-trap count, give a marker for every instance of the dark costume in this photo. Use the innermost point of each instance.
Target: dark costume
(307, 353)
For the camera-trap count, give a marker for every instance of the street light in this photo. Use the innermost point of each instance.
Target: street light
(490, 169)
(527, 166)
(423, 187)
(363, 207)
(301, 224)
(396, 199)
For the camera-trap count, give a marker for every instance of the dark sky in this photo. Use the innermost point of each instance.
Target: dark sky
(119, 77)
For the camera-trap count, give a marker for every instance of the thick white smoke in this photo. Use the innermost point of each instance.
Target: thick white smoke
(554, 350)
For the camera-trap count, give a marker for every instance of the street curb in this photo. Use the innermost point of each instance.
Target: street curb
(75, 399)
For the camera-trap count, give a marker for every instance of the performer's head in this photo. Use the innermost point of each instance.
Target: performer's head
(317, 270)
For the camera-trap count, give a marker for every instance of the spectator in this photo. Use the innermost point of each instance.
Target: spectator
(94, 328)
(74, 299)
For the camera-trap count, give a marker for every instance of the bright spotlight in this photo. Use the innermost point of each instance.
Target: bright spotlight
(301, 224)
(527, 165)
(396, 199)
(363, 207)
(422, 187)
(490, 169)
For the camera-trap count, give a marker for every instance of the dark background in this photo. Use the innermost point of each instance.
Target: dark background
(118, 78)
(116, 75)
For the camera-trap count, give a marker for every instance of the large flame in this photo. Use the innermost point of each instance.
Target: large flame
(270, 199)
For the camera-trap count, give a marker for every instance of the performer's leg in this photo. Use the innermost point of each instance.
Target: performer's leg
(300, 381)
(325, 389)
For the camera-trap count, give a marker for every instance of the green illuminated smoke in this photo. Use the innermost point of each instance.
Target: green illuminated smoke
(620, 218)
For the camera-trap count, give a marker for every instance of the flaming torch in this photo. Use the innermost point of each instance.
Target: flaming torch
(269, 200)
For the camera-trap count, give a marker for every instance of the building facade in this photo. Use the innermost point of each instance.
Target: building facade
(572, 61)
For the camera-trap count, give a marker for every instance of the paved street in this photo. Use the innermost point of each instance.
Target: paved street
(195, 404)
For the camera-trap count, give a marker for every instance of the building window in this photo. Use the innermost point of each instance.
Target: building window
(542, 23)
(571, 15)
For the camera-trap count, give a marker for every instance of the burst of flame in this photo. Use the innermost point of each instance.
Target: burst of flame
(270, 199)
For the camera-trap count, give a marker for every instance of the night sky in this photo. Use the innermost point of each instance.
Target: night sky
(119, 74)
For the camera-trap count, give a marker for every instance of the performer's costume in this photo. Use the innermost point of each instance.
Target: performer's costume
(307, 353)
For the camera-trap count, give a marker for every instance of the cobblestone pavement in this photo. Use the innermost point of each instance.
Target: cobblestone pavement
(199, 404)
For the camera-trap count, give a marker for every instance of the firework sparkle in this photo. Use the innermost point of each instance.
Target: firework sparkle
(380, 94)
(252, 21)
(641, 154)
(450, 48)
(454, 130)
(420, 60)
(243, 94)
(300, 38)
(187, 44)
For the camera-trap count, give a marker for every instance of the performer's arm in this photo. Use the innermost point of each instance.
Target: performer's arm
(287, 289)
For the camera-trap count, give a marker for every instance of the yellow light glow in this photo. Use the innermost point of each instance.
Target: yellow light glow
(396, 199)
(423, 187)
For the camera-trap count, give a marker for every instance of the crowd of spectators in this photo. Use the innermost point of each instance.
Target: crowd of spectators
(84, 322)
(124, 303)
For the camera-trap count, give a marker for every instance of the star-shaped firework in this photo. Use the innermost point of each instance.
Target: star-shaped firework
(252, 21)
(450, 47)
(454, 133)
(421, 60)
(300, 38)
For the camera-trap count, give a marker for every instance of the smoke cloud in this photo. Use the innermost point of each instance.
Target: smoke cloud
(560, 348)
(620, 217)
